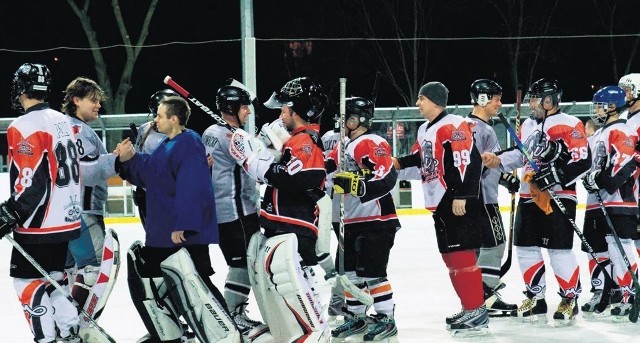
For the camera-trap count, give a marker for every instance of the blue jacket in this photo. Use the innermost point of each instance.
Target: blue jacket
(179, 191)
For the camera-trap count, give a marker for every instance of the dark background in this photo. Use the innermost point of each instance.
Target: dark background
(580, 64)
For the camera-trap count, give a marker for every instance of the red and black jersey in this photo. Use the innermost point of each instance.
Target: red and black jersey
(289, 204)
(44, 171)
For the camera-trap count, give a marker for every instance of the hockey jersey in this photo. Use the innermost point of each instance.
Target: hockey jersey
(371, 154)
(613, 150)
(96, 165)
(329, 142)
(487, 141)
(289, 203)
(448, 159)
(44, 172)
(534, 135)
(236, 192)
(148, 139)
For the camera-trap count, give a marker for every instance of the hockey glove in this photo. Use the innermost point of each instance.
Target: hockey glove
(590, 181)
(251, 152)
(548, 176)
(554, 150)
(274, 134)
(8, 219)
(349, 182)
(510, 182)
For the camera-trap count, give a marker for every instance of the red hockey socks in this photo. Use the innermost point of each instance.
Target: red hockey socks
(465, 277)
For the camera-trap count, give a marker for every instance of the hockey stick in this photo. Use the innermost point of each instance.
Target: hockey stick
(602, 305)
(376, 87)
(171, 83)
(354, 290)
(57, 286)
(507, 263)
(635, 308)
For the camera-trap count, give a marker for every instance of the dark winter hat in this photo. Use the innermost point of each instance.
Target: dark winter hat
(436, 92)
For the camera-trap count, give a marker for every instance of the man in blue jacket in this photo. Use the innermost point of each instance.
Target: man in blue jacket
(181, 213)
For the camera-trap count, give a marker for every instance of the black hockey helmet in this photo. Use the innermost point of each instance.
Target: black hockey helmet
(362, 108)
(230, 98)
(158, 96)
(32, 79)
(483, 90)
(543, 88)
(303, 95)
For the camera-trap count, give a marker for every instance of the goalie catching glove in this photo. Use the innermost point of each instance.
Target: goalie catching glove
(350, 183)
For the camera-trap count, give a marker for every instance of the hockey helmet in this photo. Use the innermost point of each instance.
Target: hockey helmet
(543, 88)
(362, 108)
(631, 83)
(483, 90)
(32, 79)
(230, 98)
(158, 96)
(608, 100)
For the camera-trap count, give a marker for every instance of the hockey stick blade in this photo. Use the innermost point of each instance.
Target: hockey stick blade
(357, 293)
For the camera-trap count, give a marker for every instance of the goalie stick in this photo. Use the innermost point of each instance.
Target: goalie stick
(603, 303)
(63, 291)
(635, 307)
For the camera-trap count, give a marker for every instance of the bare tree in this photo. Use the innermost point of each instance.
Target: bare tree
(116, 99)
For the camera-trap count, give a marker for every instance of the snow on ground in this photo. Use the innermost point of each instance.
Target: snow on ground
(422, 291)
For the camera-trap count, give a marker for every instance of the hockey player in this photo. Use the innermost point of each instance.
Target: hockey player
(631, 85)
(280, 260)
(558, 144)
(613, 177)
(236, 204)
(44, 208)
(147, 141)
(486, 96)
(370, 221)
(173, 268)
(81, 103)
(450, 167)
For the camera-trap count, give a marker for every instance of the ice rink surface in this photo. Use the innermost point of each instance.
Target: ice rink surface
(422, 292)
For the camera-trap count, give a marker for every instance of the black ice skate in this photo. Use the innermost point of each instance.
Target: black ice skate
(382, 329)
(249, 328)
(353, 325)
(620, 311)
(452, 318)
(471, 323)
(532, 310)
(494, 303)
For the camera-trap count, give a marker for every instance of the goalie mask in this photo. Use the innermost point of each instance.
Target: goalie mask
(362, 109)
(630, 83)
(229, 99)
(158, 96)
(31, 79)
(483, 90)
(303, 95)
(608, 101)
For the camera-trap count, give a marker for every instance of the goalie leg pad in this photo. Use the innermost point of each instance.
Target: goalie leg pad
(97, 283)
(151, 299)
(203, 312)
(323, 244)
(293, 284)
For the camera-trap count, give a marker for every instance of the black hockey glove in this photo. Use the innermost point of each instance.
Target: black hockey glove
(510, 182)
(590, 181)
(553, 151)
(8, 219)
(548, 176)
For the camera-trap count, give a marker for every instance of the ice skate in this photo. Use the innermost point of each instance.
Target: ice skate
(495, 305)
(452, 318)
(249, 328)
(353, 325)
(335, 311)
(472, 323)
(589, 309)
(620, 311)
(73, 337)
(532, 310)
(566, 313)
(383, 329)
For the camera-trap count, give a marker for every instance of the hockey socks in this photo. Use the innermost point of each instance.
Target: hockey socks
(466, 277)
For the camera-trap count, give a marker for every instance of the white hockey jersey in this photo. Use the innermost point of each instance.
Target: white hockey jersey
(44, 171)
(329, 142)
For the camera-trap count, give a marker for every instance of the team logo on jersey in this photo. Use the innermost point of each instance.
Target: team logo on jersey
(429, 168)
(73, 209)
(575, 134)
(379, 151)
(76, 129)
(306, 148)
(600, 158)
(458, 135)
(25, 148)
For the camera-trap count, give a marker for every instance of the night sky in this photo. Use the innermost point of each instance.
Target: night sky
(578, 63)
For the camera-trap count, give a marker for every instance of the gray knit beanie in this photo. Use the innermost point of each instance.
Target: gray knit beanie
(436, 92)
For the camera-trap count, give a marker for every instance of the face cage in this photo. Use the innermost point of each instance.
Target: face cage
(600, 119)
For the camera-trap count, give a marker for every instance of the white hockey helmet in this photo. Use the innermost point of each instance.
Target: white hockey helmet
(631, 84)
